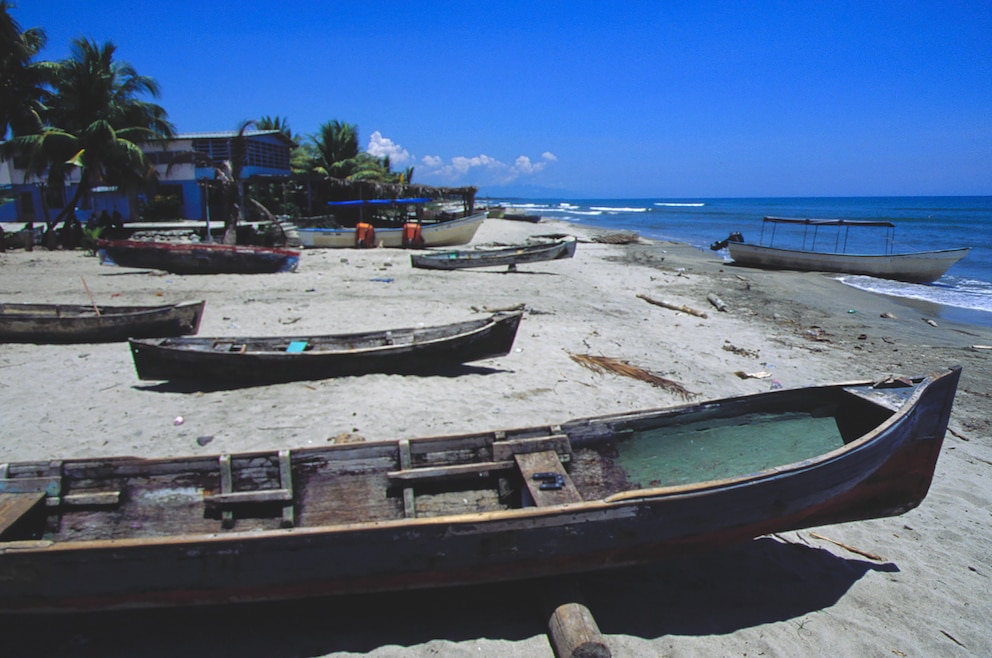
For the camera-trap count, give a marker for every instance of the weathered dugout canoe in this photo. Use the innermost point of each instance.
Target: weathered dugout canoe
(197, 257)
(72, 323)
(510, 256)
(87, 534)
(448, 233)
(281, 359)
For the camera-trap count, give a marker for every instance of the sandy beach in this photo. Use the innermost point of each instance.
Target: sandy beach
(790, 594)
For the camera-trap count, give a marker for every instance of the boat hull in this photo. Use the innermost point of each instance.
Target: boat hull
(441, 234)
(197, 257)
(884, 471)
(68, 323)
(919, 267)
(458, 260)
(270, 360)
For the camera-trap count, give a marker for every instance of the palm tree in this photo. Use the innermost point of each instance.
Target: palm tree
(337, 149)
(22, 90)
(96, 123)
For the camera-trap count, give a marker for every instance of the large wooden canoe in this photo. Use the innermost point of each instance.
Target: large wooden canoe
(197, 257)
(448, 233)
(72, 323)
(504, 257)
(282, 358)
(85, 534)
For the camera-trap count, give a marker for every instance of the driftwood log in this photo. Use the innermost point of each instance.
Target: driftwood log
(673, 306)
(717, 302)
(572, 630)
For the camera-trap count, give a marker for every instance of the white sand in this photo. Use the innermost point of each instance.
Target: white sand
(788, 595)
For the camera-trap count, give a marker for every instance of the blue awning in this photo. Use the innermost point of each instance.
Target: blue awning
(378, 202)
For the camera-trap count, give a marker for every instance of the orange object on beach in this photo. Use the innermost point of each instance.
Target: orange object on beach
(412, 237)
(364, 235)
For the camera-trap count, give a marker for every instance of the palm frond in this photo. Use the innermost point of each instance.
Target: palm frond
(604, 364)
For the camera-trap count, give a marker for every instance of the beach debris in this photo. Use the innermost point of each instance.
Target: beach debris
(178, 420)
(981, 347)
(952, 638)
(673, 306)
(740, 351)
(753, 375)
(204, 440)
(293, 320)
(346, 437)
(888, 316)
(892, 381)
(620, 237)
(717, 302)
(847, 547)
(502, 309)
(817, 334)
(603, 364)
(930, 322)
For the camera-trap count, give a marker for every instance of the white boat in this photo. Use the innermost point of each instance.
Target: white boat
(446, 233)
(912, 267)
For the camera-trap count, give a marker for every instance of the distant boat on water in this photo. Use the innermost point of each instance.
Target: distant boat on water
(911, 267)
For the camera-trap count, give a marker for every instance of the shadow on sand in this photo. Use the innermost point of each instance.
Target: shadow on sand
(758, 582)
(212, 386)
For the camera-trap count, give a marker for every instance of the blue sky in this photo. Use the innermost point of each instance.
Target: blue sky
(586, 99)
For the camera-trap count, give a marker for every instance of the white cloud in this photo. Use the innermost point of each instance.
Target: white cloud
(381, 147)
(484, 169)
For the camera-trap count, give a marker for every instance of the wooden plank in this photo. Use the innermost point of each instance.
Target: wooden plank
(245, 497)
(13, 506)
(451, 471)
(546, 479)
(505, 450)
(286, 482)
(406, 463)
(227, 488)
(92, 498)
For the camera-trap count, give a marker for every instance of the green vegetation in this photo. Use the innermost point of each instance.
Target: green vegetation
(85, 118)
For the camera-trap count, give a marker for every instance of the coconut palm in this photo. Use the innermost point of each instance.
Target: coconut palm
(22, 82)
(96, 123)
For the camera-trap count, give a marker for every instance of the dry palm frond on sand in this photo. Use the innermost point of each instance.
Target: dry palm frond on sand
(603, 364)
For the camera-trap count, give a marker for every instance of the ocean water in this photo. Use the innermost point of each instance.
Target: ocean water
(963, 294)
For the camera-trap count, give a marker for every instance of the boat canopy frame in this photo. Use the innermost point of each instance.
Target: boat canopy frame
(815, 224)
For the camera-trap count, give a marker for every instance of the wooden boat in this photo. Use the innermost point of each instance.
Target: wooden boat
(509, 256)
(87, 534)
(281, 359)
(912, 267)
(71, 323)
(197, 257)
(446, 233)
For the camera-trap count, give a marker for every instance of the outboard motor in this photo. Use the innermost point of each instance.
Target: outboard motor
(722, 244)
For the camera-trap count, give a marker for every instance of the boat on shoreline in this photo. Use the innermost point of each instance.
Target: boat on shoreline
(197, 257)
(588, 494)
(252, 360)
(556, 249)
(76, 323)
(911, 267)
(445, 233)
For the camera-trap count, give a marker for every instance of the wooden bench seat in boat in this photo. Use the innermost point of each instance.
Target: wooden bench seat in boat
(546, 479)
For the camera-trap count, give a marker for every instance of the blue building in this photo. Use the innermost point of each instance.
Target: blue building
(177, 194)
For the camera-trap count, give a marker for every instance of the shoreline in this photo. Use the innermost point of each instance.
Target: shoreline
(778, 595)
